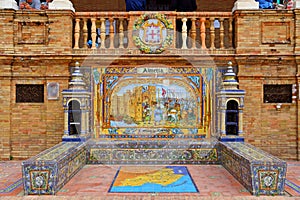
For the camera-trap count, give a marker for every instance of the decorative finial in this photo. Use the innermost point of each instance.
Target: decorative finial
(229, 81)
(77, 79)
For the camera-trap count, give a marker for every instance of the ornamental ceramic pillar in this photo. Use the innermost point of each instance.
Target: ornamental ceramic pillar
(230, 108)
(77, 109)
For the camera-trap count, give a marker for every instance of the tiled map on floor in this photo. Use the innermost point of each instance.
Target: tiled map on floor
(158, 179)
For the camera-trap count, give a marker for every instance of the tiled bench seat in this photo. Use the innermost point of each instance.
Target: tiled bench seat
(258, 171)
(49, 171)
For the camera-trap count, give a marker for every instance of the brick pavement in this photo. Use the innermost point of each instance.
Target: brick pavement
(93, 181)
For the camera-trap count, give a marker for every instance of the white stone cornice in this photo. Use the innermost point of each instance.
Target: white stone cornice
(245, 5)
(61, 5)
(9, 4)
(297, 4)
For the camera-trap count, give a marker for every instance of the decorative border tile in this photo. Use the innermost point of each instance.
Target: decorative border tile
(268, 179)
(293, 186)
(12, 187)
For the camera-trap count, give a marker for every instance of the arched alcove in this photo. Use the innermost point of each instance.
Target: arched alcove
(232, 118)
(74, 118)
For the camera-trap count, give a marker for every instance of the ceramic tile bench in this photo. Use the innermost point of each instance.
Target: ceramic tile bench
(258, 171)
(47, 172)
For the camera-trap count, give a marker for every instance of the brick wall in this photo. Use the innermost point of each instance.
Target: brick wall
(265, 56)
(27, 129)
(38, 46)
(37, 126)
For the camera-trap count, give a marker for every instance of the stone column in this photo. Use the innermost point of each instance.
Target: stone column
(223, 121)
(240, 123)
(83, 122)
(66, 117)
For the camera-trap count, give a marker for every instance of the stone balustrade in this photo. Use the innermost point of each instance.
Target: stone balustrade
(210, 31)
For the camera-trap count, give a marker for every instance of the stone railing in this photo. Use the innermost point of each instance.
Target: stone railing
(210, 31)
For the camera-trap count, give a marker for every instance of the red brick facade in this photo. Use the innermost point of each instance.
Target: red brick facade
(37, 48)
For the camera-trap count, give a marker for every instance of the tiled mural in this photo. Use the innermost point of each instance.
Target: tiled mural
(154, 102)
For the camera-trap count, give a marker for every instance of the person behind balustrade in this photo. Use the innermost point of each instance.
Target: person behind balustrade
(183, 6)
(45, 5)
(30, 4)
(265, 4)
(135, 5)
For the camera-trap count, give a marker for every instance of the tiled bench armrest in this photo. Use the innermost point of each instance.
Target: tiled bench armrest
(50, 170)
(258, 171)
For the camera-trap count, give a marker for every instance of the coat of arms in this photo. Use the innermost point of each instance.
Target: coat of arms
(153, 33)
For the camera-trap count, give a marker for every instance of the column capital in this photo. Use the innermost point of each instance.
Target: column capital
(61, 5)
(297, 4)
(9, 4)
(245, 5)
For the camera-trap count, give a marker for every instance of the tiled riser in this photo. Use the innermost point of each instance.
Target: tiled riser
(153, 152)
(153, 156)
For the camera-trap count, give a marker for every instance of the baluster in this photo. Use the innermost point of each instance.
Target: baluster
(121, 34)
(202, 32)
(94, 34)
(85, 33)
(77, 33)
(221, 33)
(111, 33)
(212, 33)
(184, 33)
(193, 33)
(102, 34)
(230, 33)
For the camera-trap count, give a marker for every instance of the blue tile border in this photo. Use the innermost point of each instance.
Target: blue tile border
(292, 185)
(12, 187)
(234, 139)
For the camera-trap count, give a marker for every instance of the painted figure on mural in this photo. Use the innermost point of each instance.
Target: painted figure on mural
(147, 115)
(30, 4)
(135, 5)
(158, 115)
(173, 115)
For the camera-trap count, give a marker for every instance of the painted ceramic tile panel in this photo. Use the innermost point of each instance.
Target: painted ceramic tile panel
(148, 101)
(149, 179)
